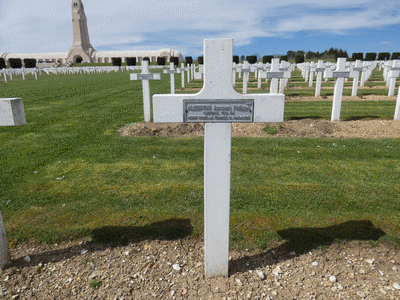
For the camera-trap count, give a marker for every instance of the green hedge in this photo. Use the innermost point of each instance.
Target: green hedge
(188, 60)
(30, 63)
(357, 56)
(252, 59)
(175, 60)
(2, 63)
(131, 61)
(267, 59)
(161, 61)
(15, 63)
(370, 56)
(116, 61)
(395, 55)
(383, 56)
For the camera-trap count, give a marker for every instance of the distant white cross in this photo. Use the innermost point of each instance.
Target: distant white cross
(274, 74)
(319, 70)
(246, 75)
(340, 74)
(217, 105)
(393, 74)
(171, 73)
(145, 76)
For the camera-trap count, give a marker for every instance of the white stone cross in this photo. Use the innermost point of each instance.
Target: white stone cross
(182, 70)
(246, 75)
(274, 74)
(393, 74)
(145, 76)
(171, 73)
(356, 76)
(217, 105)
(312, 70)
(397, 109)
(5, 258)
(340, 74)
(285, 68)
(319, 70)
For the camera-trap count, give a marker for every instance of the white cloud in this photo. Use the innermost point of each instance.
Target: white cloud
(45, 26)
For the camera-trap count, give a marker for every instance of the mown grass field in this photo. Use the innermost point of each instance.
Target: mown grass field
(68, 173)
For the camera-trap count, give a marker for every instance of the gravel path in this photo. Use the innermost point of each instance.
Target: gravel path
(159, 269)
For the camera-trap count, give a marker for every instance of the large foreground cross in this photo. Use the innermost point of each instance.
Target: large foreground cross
(217, 105)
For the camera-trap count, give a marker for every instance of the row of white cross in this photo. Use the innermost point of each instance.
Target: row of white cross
(282, 72)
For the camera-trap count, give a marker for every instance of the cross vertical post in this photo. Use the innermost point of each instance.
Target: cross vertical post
(274, 74)
(356, 76)
(340, 74)
(171, 73)
(319, 70)
(217, 105)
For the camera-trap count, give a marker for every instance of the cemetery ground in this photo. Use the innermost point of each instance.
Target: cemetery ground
(104, 215)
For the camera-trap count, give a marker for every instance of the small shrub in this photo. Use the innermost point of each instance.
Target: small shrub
(357, 56)
(284, 57)
(395, 55)
(2, 63)
(370, 56)
(175, 60)
(147, 58)
(116, 61)
(252, 59)
(15, 63)
(267, 59)
(299, 59)
(188, 60)
(200, 60)
(383, 56)
(271, 130)
(30, 63)
(131, 61)
(236, 59)
(94, 284)
(161, 61)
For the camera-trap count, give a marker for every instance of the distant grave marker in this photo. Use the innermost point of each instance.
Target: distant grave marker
(340, 74)
(171, 73)
(145, 76)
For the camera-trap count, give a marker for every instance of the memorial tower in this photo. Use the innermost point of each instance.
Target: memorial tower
(81, 49)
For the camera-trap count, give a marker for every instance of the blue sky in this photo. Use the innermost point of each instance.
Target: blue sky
(260, 27)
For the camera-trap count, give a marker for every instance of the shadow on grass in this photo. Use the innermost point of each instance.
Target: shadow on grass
(302, 240)
(306, 117)
(361, 118)
(122, 235)
(113, 236)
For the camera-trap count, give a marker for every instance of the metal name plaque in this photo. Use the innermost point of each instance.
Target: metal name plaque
(320, 69)
(145, 76)
(274, 74)
(341, 74)
(218, 111)
(170, 71)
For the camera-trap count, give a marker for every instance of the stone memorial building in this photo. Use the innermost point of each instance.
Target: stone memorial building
(82, 51)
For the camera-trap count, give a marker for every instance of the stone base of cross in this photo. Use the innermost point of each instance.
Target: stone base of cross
(217, 105)
(12, 112)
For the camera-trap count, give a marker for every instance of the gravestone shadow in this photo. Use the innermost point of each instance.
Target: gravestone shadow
(302, 240)
(122, 235)
(113, 236)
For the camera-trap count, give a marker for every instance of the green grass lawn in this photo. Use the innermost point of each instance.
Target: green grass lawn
(67, 174)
